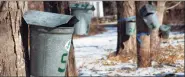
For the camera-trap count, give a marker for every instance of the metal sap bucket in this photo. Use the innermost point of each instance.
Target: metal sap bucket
(50, 39)
(152, 21)
(148, 12)
(165, 30)
(130, 27)
(84, 13)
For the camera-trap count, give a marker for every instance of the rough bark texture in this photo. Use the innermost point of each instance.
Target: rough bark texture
(109, 8)
(57, 7)
(63, 7)
(12, 61)
(36, 5)
(71, 67)
(126, 44)
(144, 59)
(143, 49)
(141, 26)
(154, 35)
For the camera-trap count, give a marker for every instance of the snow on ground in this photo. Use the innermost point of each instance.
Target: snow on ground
(91, 52)
(175, 42)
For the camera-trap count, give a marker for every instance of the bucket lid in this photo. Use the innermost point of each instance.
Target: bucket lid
(131, 19)
(165, 27)
(128, 19)
(47, 19)
(81, 6)
(147, 10)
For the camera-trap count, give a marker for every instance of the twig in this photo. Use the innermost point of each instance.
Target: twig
(173, 6)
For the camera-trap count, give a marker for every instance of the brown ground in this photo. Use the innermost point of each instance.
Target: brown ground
(169, 55)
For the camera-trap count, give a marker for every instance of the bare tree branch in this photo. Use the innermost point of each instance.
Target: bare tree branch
(173, 6)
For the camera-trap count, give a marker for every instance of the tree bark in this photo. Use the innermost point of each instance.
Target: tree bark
(109, 7)
(71, 66)
(154, 36)
(63, 7)
(144, 59)
(57, 7)
(36, 5)
(143, 47)
(126, 44)
(12, 56)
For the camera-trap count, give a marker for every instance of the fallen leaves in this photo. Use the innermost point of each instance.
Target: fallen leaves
(108, 63)
(170, 54)
(179, 69)
(119, 58)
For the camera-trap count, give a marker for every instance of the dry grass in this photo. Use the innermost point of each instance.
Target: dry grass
(122, 57)
(169, 55)
(119, 58)
(179, 69)
(108, 63)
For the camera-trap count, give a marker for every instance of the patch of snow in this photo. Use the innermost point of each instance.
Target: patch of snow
(175, 42)
(91, 50)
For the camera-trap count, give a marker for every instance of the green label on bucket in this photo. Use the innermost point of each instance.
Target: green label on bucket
(131, 30)
(63, 62)
(67, 45)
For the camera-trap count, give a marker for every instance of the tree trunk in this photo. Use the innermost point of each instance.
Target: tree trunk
(63, 7)
(144, 59)
(154, 36)
(12, 56)
(71, 66)
(36, 5)
(126, 44)
(143, 47)
(109, 8)
(57, 7)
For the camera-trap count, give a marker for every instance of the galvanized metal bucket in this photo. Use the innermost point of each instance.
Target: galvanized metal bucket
(84, 13)
(130, 28)
(148, 12)
(50, 39)
(152, 21)
(165, 30)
